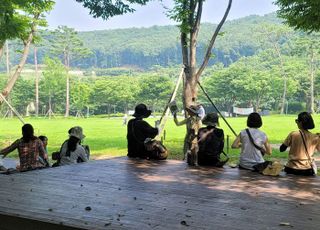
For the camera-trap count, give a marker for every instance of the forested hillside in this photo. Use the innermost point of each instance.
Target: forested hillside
(258, 62)
(158, 45)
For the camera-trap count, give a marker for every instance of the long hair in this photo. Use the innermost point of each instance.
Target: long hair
(27, 133)
(72, 145)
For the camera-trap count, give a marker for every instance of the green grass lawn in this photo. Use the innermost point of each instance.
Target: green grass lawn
(107, 137)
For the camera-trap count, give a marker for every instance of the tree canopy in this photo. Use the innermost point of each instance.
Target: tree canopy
(16, 16)
(110, 8)
(300, 14)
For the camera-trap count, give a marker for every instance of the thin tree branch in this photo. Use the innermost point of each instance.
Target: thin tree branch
(183, 40)
(214, 36)
(18, 70)
(198, 18)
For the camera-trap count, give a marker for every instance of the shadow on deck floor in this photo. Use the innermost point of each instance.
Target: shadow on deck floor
(133, 194)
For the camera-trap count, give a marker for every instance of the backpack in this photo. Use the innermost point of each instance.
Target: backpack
(210, 143)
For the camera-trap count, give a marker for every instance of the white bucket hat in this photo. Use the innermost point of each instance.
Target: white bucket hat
(76, 132)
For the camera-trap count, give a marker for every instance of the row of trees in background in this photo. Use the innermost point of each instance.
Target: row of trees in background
(97, 95)
(256, 81)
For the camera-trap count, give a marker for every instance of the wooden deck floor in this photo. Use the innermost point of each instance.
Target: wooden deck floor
(133, 194)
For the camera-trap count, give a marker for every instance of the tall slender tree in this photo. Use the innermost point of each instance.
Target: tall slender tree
(273, 36)
(67, 45)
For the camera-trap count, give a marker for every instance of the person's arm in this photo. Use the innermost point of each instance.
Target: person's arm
(179, 123)
(10, 148)
(267, 147)
(237, 143)
(147, 129)
(82, 153)
(283, 148)
(286, 143)
(43, 153)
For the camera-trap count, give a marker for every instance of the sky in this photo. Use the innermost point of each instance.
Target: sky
(74, 15)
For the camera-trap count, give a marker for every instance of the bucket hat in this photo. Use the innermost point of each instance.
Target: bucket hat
(141, 111)
(76, 132)
(211, 119)
(193, 110)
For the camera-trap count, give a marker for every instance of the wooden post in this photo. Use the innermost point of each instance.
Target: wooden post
(228, 142)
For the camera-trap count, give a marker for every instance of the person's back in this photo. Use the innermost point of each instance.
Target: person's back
(302, 145)
(250, 155)
(138, 131)
(72, 151)
(297, 153)
(71, 157)
(211, 143)
(253, 142)
(30, 149)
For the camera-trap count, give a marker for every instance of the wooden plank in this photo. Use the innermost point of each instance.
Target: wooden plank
(132, 194)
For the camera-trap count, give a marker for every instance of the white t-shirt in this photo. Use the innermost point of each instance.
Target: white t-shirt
(250, 155)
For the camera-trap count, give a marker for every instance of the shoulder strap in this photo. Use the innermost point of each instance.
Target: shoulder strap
(251, 140)
(305, 146)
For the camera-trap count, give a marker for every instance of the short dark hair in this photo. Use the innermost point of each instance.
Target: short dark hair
(254, 120)
(306, 120)
(43, 138)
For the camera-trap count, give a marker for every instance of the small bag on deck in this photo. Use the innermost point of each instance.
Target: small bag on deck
(55, 156)
(269, 168)
(156, 149)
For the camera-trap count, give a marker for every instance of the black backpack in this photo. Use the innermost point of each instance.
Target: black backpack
(210, 143)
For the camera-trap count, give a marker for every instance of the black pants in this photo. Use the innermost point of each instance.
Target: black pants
(301, 172)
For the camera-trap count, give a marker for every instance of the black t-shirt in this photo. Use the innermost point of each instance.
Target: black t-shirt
(137, 131)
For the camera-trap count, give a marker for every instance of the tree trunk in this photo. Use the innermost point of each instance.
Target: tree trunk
(284, 76)
(1, 51)
(8, 60)
(18, 70)
(67, 62)
(50, 107)
(9, 113)
(36, 80)
(311, 103)
(192, 76)
(67, 96)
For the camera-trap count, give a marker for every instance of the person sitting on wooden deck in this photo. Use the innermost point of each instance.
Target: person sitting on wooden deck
(140, 133)
(302, 144)
(253, 142)
(72, 150)
(44, 141)
(30, 149)
(210, 142)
